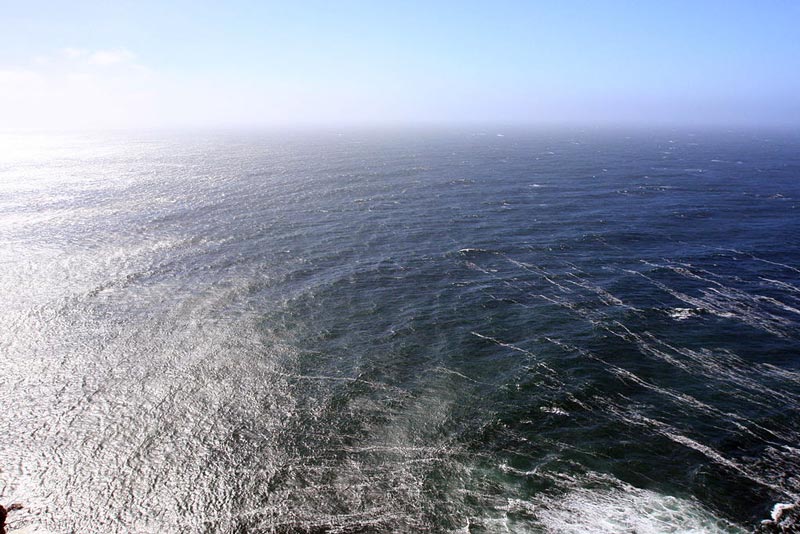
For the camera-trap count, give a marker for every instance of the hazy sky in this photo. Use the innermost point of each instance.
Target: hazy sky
(159, 63)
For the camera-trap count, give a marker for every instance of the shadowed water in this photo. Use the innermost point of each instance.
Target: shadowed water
(399, 331)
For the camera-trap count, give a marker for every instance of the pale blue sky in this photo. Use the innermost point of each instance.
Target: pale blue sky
(234, 63)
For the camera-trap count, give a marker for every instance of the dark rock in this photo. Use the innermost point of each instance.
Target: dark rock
(785, 520)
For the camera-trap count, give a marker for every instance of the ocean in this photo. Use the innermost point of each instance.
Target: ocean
(445, 330)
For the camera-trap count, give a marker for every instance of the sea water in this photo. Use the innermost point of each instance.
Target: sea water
(474, 330)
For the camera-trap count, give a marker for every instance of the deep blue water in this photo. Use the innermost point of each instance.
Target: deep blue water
(409, 331)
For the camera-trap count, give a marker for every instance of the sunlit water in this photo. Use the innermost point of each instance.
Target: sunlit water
(399, 332)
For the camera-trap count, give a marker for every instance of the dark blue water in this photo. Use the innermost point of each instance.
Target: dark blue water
(449, 331)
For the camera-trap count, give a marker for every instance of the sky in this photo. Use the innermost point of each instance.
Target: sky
(120, 64)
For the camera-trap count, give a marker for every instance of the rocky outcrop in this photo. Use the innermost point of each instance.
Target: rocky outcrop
(785, 520)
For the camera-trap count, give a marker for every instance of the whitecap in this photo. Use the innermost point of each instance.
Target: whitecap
(628, 509)
(681, 314)
(555, 410)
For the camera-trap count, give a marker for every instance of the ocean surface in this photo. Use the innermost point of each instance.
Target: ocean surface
(399, 331)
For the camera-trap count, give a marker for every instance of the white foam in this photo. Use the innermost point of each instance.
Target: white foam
(779, 509)
(681, 314)
(555, 410)
(598, 503)
(628, 509)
